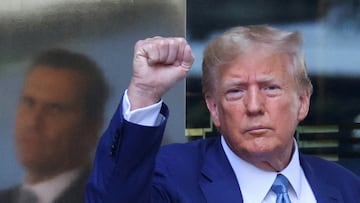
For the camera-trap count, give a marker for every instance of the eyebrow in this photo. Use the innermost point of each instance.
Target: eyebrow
(261, 79)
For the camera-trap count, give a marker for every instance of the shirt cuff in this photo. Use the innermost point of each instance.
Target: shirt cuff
(147, 116)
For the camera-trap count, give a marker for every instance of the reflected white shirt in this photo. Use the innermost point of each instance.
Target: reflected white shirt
(48, 191)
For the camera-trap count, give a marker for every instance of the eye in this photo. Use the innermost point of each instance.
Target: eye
(272, 87)
(234, 93)
(272, 90)
(27, 101)
(54, 108)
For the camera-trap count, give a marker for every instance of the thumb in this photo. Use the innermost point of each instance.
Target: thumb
(188, 58)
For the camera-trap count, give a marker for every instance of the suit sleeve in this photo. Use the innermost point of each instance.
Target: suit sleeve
(125, 161)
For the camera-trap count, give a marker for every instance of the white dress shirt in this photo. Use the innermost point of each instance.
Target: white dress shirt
(255, 183)
(147, 116)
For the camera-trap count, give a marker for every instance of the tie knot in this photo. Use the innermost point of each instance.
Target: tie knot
(280, 184)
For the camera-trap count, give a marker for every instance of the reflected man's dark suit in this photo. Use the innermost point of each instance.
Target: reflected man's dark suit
(72, 194)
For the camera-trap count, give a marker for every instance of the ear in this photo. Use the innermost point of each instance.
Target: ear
(304, 98)
(213, 109)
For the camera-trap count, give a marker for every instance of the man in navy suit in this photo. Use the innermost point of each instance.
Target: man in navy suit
(256, 89)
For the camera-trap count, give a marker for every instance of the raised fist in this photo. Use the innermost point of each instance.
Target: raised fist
(159, 63)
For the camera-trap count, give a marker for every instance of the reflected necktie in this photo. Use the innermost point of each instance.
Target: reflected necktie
(280, 187)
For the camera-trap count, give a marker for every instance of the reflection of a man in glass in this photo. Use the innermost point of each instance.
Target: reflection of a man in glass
(58, 120)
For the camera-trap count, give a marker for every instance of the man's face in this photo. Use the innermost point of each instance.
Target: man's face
(50, 122)
(257, 106)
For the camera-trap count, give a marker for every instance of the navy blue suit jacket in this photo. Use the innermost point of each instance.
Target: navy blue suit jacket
(130, 167)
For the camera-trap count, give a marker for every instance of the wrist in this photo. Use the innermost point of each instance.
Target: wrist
(141, 95)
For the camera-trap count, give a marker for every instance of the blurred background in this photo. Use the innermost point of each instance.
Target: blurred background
(330, 30)
(105, 30)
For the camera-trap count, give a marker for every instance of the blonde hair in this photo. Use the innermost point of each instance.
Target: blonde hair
(238, 41)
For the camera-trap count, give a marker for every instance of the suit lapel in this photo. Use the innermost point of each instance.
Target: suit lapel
(218, 181)
(324, 193)
(10, 195)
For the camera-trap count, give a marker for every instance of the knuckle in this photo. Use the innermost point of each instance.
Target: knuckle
(139, 43)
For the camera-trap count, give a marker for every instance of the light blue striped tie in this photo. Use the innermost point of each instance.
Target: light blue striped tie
(280, 187)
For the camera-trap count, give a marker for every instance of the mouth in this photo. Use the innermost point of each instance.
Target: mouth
(257, 130)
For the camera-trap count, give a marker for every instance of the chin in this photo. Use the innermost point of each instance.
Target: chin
(261, 149)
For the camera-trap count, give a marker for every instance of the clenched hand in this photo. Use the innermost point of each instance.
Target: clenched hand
(159, 63)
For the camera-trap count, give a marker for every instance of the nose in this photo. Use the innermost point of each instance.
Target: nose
(254, 101)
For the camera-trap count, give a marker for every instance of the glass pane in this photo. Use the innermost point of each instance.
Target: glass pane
(105, 31)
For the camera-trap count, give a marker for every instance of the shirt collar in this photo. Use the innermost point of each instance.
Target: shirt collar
(49, 190)
(293, 172)
(253, 180)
